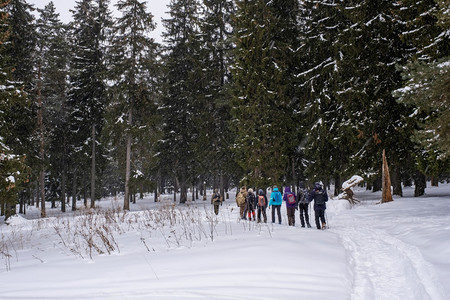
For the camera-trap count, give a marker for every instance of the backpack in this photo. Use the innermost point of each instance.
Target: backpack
(216, 197)
(251, 199)
(291, 199)
(319, 196)
(261, 201)
(240, 199)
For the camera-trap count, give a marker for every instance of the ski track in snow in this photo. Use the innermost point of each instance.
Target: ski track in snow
(385, 267)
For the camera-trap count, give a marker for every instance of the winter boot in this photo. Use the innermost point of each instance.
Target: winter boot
(307, 224)
(324, 226)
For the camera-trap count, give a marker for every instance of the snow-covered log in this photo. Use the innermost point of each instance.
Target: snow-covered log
(347, 186)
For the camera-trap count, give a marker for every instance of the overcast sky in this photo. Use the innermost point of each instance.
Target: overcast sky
(156, 7)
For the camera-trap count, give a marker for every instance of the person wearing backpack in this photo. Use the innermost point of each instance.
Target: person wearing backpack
(320, 196)
(216, 200)
(276, 200)
(262, 205)
(303, 204)
(291, 205)
(251, 205)
(241, 201)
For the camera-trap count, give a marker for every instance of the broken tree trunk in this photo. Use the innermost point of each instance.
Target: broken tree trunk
(386, 181)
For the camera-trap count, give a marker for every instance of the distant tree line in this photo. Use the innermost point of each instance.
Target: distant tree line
(260, 93)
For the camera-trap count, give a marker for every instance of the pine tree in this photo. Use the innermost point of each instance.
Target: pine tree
(13, 169)
(370, 50)
(53, 62)
(21, 52)
(427, 82)
(214, 140)
(265, 33)
(133, 71)
(326, 135)
(183, 85)
(88, 93)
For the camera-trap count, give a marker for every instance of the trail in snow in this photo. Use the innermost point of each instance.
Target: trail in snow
(384, 264)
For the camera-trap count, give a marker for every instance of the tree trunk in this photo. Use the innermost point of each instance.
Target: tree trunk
(126, 203)
(397, 181)
(85, 197)
(74, 191)
(420, 183)
(434, 181)
(377, 184)
(41, 143)
(93, 168)
(183, 189)
(386, 181)
(63, 184)
(204, 190)
(337, 184)
(222, 187)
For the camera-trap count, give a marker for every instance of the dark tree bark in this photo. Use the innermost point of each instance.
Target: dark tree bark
(420, 183)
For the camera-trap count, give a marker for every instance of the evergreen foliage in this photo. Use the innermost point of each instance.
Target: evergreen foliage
(88, 91)
(52, 59)
(14, 172)
(254, 92)
(134, 70)
(263, 69)
(183, 89)
(215, 138)
(427, 83)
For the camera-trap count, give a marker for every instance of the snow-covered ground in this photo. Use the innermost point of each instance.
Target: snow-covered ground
(398, 250)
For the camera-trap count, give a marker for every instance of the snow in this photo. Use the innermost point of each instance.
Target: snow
(397, 250)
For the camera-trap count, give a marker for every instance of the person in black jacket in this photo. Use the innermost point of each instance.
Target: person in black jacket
(251, 205)
(320, 196)
(303, 205)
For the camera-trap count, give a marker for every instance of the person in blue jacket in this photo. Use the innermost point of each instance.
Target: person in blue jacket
(320, 196)
(276, 200)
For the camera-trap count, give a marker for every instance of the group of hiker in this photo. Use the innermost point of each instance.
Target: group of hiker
(253, 206)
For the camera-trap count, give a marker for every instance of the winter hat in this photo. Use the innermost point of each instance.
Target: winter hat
(260, 192)
(317, 185)
(250, 190)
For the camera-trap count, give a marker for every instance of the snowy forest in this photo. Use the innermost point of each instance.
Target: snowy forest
(256, 93)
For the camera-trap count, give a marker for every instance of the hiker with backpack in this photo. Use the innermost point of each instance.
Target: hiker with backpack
(291, 205)
(251, 205)
(216, 200)
(276, 200)
(262, 205)
(303, 205)
(241, 201)
(320, 196)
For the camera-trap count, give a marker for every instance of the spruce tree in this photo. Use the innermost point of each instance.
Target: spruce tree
(215, 138)
(13, 169)
(183, 85)
(88, 93)
(265, 35)
(52, 58)
(133, 73)
(370, 50)
(325, 136)
(426, 86)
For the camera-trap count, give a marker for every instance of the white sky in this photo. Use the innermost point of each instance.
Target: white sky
(157, 7)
